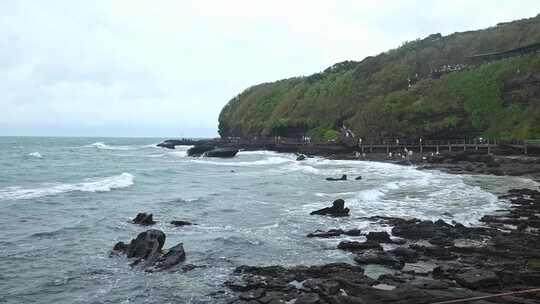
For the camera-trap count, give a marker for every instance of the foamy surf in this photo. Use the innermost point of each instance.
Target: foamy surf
(105, 184)
(263, 162)
(103, 146)
(35, 154)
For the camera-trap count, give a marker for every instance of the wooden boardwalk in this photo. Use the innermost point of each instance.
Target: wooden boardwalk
(383, 146)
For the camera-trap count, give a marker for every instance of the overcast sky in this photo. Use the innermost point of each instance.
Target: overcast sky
(166, 68)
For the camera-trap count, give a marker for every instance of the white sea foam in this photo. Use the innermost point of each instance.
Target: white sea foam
(179, 153)
(35, 154)
(102, 146)
(262, 162)
(104, 184)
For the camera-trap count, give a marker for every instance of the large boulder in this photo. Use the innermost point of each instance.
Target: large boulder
(147, 247)
(221, 152)
(338, 209)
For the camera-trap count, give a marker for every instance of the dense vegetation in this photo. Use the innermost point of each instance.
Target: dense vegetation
(498, 99)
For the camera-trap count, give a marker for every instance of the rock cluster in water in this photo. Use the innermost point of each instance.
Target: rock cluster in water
(427, 262)
(146, 249)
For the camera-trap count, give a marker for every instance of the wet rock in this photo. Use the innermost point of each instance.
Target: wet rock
(334, 233)
(174, 256)
(359, 246)
(198, 150)
(181, 223)
(169, 144)
(429, 284)
(338, 209)
(326, 234)
(301, 157)
(308, 298)
(252, 294)
(353, 232)
(415, 229)
(381, 258)
(120, 247)
(477, 278)
(358, 178)
(221, 152)
(342, 178)
(147, 248)
(144, 219)
(407, 255)
(379, 237)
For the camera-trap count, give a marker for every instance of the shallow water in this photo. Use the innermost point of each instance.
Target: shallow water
(64, 202)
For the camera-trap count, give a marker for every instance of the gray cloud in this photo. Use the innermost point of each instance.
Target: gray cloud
(166, 68)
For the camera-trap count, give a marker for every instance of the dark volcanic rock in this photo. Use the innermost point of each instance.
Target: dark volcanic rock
(301, 157)
(443, 262)
(406, 255)
(338, 209)
(147, 248)
(221, 152)
(334, 233)
(379, 237)
(477, 278)
(169, 144)
(353, 232)
(174, 256)
(358, 246)
(198, 150)
(326, 234)
(144, 219)
(381, 258)
(358, 178)
(181, 223)
(342, 178)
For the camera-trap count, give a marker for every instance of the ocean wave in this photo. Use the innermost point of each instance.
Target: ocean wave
(179, 153)
(262, 162)
(103, 146)
(265, 153)
(35, 154)
(105, 184)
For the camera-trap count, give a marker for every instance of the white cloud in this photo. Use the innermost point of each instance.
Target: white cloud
(167, 67)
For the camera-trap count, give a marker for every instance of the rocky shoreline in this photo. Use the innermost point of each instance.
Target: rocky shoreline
(501, 161)
(428, 262)
(425, 261)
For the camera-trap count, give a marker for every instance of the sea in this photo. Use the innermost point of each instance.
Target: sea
(65, 202)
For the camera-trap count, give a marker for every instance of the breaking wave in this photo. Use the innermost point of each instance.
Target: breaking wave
(105, 184)
(102, 146)
(262, 162)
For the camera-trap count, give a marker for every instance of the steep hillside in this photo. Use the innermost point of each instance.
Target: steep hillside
(402, 93)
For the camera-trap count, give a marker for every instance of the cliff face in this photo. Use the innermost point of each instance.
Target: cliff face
(432, 87)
